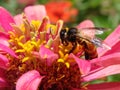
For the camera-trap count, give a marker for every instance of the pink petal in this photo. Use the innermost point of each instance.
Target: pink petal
(29, 81)
(7, 49)
(36, 12)
(107, 60)
(18, 19)
(84, 65)
(4, 38)
(113, 40)
(5, 19)
(3, 62)
(48, 55)
(110, 70)
(105, 86)
(86, 24)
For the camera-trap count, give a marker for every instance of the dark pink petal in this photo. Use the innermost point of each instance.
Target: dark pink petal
(86, 24)
(84, 65)
(110, 70)
(36, 12)
(105, 86)
(3, 83)
(107, 60)
(113, 40)
(47, 55)
(2, 73)
(3, 62)
(5, 19)
(18, 19)
(7, 49)
(29, 81)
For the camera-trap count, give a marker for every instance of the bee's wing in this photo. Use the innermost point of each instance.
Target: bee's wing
(100, 43)
(98, 30)
(90, 32)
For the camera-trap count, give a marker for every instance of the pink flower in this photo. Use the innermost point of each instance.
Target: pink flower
(104, 69)
(31, 60)
(32, 13)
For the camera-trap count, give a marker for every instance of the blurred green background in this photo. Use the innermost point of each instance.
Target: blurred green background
(104, 13)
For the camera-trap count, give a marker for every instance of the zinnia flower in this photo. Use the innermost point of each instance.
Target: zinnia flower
(61, 10)
(34, 58)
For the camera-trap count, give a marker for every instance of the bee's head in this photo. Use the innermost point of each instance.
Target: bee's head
(72, 32)
(63, 34)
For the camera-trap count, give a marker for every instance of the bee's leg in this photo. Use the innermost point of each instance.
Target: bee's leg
(65, 42)
(74, 46)
(87, 56)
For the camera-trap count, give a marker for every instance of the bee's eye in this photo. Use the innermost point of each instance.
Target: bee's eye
(63, 34)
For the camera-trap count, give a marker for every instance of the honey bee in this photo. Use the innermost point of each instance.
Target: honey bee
(84, 37)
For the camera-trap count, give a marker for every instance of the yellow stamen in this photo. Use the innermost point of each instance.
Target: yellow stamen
(60, 60)
(65, 57)
(20, 51)
(52, 29)
(11, 34)
(21, 44)
(35, 24)
(21, 38)
(61, 54)
(57, 79)
(25, 59)
(34, 43)
(49, 43)
(67, 65)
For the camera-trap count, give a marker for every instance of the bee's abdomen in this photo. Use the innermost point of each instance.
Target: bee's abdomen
(90, 51)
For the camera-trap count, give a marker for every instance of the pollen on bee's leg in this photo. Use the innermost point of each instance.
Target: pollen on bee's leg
(60, 46)
(66, 50)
